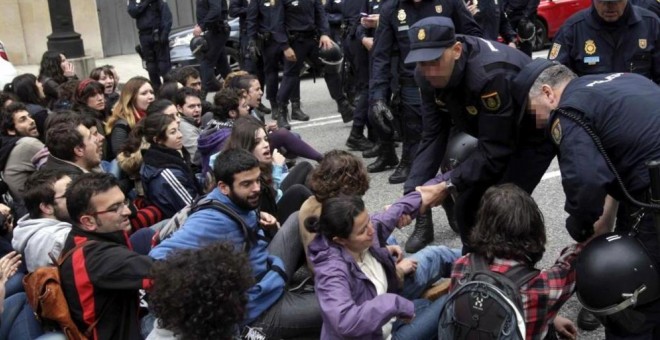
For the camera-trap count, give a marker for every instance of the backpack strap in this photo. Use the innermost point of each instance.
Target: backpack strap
(519, 275)
(251, 237)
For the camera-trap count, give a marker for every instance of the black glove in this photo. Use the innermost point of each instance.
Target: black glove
(579, 230)
(253, 50)
(381, 117)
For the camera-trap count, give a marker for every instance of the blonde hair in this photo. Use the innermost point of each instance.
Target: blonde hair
(125, 106)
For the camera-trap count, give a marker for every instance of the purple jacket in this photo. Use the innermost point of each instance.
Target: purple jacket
(349, 305)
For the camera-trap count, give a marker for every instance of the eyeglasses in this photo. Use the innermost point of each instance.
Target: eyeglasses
(115, 208)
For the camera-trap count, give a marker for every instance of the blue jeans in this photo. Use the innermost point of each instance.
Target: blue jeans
(14, 284)
(18, 320)
(425, 323)
(433, 263)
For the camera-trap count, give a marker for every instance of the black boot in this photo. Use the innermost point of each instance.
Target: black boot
(296, 111)
(283, 118)
(346, 110)
(357, 141)
(373, 152)
(386, 160)
(400, 175)
(264, 109)
(586, 320)
(422, 235)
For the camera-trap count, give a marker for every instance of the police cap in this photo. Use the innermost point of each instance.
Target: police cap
(429, 38)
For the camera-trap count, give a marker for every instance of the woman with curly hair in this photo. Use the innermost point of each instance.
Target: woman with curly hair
(132, 106)
(30, 92)
(54, 71)
(200, 294)
(107, 76)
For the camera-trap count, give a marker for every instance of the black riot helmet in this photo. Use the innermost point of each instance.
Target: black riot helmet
(526, 30)
(332, 58)
(199, 47)
(460, 147)
(614, 272)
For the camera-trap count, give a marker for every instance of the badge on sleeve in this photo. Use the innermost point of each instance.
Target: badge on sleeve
(471, 110)
(438, 8)
(491, 101)
(554, 52)
(556, 132)
(642, 42)
(589, 47)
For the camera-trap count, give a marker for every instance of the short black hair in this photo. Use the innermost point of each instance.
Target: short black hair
(225, 100)
(184, 73)
(232, 161)
(82, 188)
(5, 97)
(158, 106)
(8, 116)
(62, 138)
(185, 92)
(39, 189)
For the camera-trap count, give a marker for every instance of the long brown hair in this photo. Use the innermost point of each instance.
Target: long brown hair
(242, 137)
(125, 106)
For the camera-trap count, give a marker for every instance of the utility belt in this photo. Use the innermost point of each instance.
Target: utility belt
(154, 32)
(407, 82)
(264, 37)
(218, 26)
(348, 29)
(297, 35)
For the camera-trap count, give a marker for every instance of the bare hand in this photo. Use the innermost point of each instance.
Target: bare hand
(395, 251)
(432, 195)
(8, 266)
(513, 44)
(197, 31)
(325, 42)
(407, 320)
(5, 210)
(403, 221)
(565, 327)
(268, 221)
(407, 266)
(368, 43)
(68, 69)
(271, 126)
(290, 55)
(278, 158)
(473, 9)
(370, 21)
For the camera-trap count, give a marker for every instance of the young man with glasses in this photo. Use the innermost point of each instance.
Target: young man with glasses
(102, 276)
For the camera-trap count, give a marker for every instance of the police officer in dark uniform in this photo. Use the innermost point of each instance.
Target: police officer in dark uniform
(392, 34)
(333, 11)
(521, 15)
(154, 22)
(298, 25)
(610, 36)
(212, 19)
(472, 81)
(622, 111)
(492, 20)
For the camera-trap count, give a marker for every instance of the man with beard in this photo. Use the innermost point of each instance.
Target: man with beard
(189, 104)
(271, 309)
(73, 147)
(20, 143)
(46, 226)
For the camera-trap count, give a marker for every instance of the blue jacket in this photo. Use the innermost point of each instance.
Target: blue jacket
(208, 226)
(349, 305)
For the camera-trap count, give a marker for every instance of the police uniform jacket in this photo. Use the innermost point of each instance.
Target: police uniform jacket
(333, 11)
(150, 15)
(210, 12)
(260, 17)
(396, 17)
(623, 110)
(238, 9)
(518, 9)
(368, 7)
(296, 16)
(478, 99)
(588, 45)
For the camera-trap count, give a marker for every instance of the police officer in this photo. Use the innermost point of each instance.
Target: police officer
(154, 22)
(472, 81)
(492, 20)
(622, 112)
(298, 24)
(521, 15)
(212, 19)
(610, 36)
(392, 34)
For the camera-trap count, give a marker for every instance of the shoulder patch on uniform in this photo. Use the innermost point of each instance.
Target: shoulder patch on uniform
(642, 43)
(438, 8)
(554, 52)
(471, 110)
(556, 132)
(491, 101)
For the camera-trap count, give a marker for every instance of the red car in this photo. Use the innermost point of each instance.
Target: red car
(551, 14)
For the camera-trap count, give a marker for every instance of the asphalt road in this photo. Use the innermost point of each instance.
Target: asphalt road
(325, 131)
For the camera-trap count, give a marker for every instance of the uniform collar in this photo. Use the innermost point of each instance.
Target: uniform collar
(629, 18)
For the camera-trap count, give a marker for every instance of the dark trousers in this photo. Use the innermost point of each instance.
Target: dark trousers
(411, 114)
(214, 61)
(305, 48)
(255, 67)
(361, 65)
(157, 58)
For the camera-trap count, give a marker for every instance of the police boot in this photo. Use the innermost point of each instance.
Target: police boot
(283, 117)
(296, 112)
(586, 320)
(373, 152)
(386, 160)
(263, 109)
(400, 175)
(422, 235)
(275, 109)
(346, 110)
(357, 141)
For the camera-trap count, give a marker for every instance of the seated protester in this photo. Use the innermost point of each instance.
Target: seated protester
(101, 278)
(362, 291)
(283, 191)
(55, 70)
(166, 175)
(189, 104)
(44, 230)
(279, 312)
(90, 100)
(66, 95)
(7, 98)
(168, 90)
(73, 146)
(17, 318)
(107, 77)
(194, 289)
(339, 173)
(31, 93)
(188, 76)
(20, 143)
(280, 137)
(510, 232)
(131, 107)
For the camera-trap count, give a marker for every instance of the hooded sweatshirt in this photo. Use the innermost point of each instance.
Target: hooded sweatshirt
(37, 237)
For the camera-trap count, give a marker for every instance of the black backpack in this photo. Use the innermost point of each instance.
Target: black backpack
(486, 304)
